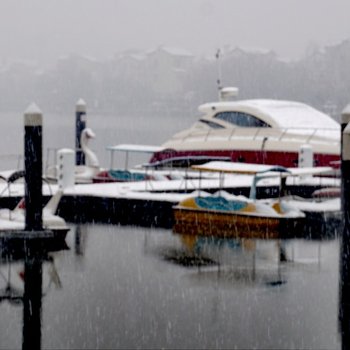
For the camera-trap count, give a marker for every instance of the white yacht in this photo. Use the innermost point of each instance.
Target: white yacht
(255, 131)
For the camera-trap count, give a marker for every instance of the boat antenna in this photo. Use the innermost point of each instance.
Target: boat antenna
(218, 81)
(223, 92)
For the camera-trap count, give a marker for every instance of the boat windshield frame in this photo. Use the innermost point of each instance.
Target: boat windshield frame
(241, 119)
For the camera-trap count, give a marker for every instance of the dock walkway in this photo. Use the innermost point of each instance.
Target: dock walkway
(149, 203)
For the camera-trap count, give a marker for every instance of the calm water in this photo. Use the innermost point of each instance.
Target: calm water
(59, 132)
(129, 287)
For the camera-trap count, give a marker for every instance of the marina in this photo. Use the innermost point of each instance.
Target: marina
(123, 255)
(174, 175)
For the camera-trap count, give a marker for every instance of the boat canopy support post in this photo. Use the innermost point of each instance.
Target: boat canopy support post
(344, 280)
(262, 175)
(80, 125)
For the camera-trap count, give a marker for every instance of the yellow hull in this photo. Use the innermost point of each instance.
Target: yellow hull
(235, 225)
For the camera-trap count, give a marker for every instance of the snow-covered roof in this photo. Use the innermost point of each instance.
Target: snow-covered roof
(248, 49)
(131, 53)
(172, 51)
(248, 168)
(75, 56)
(278, 113)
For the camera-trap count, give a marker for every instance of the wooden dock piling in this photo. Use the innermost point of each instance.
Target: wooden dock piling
(33, 168)
(32, 244)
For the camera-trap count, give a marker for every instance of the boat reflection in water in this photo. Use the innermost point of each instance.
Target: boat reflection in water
(229, 261)
(80, 238)
(239, 263)
(25, 288)
(133, 287)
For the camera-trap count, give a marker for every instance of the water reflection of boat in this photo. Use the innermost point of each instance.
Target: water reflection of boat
(257, 131)
(13, 289)
(25, 288)
(231, 262)
(236, 276)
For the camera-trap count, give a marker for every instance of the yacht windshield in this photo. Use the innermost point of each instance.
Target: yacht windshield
(242, 119)
(211, 124)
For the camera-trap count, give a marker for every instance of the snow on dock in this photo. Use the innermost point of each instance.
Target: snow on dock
(149, 203)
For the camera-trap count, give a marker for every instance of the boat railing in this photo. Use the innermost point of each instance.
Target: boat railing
(311, 136)
(50, 163)
(306, 135)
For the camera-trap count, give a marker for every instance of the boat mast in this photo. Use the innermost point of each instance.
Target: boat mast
(218, 81)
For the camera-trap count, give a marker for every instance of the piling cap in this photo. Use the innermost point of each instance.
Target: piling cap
(33, 116)
(345, 115)
(81, 106)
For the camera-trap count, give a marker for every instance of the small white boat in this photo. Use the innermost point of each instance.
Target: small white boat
(324, 212)
(127, 174)
(15, 219)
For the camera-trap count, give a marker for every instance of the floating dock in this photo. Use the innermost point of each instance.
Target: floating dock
(150, 203)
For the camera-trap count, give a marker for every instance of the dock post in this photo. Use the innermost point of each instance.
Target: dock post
(33, 168)
(33, 222)
(80, 125)
(344, 280)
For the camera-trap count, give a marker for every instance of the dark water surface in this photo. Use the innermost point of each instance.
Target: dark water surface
(129, 287)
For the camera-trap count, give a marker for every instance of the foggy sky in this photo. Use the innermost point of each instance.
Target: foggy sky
(43, 30)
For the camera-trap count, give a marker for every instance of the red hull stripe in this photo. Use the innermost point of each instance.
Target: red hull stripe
(286, 159)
